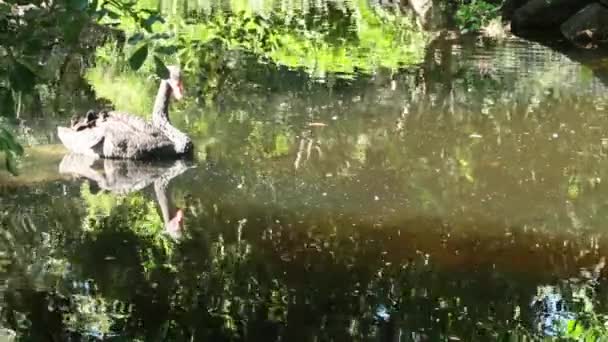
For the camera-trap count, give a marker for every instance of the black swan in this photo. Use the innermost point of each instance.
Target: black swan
(117, 135)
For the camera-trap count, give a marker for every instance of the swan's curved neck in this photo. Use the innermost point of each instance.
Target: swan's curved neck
(160, 119)
(160, 112)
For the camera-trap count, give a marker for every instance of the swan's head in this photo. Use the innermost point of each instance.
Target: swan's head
(175, 81)
(175, 227)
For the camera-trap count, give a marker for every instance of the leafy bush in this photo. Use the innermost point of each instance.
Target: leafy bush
(476, 14)
(11, 149)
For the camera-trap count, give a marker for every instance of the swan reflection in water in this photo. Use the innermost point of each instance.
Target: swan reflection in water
(127, 176)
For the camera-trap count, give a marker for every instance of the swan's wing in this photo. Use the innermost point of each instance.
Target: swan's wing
(135, 122)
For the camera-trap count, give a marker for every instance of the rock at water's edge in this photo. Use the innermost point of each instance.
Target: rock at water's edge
(588, 27)
(544, 14)
(509, 7)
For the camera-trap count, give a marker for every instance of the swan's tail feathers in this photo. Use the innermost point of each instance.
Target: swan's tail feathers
(87, 142)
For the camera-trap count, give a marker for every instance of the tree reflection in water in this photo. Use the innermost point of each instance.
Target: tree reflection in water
(430, 203)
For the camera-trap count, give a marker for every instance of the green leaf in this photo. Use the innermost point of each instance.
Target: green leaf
(79, 5)
(34, 45)
(136, 38)
(160, 36)
(11, 149)
(112, 14)
(98, 15)
(9, 143)
(5, 8)
(161, 69)
(138, 57)
(147, 24)
(7, 103)
(21, 77)
(166, 50)
(72, 29)
(11, 163)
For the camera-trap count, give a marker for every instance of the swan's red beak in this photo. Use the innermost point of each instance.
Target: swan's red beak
(177, 88)
(175, 226)
(179, 216)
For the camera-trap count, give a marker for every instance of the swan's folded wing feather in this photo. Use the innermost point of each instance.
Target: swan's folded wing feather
(135, 122)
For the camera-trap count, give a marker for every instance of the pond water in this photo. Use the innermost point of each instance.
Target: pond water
(462, 198)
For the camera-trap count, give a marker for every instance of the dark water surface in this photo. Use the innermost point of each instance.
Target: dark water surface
(461, 199)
